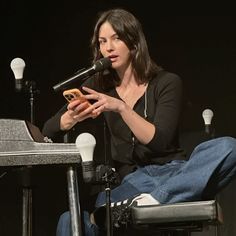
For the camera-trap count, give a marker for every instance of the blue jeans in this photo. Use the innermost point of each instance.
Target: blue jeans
(210, 168)
(64, 227)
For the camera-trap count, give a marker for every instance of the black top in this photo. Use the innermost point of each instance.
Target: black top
(161, 105)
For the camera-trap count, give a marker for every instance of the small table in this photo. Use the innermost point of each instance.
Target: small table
(21, 144)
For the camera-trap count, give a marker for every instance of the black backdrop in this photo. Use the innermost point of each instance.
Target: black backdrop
(53, 39)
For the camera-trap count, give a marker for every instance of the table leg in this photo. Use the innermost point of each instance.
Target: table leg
(74, 203)
(27, 212)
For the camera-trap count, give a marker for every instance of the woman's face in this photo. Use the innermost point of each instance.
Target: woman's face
(114, 48)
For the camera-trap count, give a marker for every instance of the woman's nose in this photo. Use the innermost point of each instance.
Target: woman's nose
(110, 46)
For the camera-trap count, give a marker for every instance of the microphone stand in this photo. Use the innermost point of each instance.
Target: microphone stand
(108, 207)
(27, 229)
(106, 176)
(107, 188)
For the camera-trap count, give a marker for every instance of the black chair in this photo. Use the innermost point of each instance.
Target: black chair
(183, 217)
(179, 218)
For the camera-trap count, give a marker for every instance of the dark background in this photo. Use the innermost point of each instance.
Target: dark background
(53, 39)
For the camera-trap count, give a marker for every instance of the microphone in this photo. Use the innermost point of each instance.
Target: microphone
(100, 65)
(207, 115)
(86, 142)
(18, 66)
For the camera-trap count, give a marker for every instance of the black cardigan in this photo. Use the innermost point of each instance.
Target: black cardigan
(161, 105)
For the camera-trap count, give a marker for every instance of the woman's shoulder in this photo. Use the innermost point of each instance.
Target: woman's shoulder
(165, 77)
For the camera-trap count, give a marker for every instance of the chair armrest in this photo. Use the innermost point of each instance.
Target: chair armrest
(199, 211)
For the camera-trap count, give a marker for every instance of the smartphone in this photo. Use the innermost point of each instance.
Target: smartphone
(74, 94)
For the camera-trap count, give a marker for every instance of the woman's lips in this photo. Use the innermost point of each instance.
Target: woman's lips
(113, 58)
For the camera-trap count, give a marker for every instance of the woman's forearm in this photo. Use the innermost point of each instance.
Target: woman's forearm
(142, 129)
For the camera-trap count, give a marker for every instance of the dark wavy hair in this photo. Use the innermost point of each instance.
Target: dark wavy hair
(129, 30)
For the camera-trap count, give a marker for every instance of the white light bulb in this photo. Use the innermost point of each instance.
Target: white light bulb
(86, 142)
(207, 115)
(18, 66)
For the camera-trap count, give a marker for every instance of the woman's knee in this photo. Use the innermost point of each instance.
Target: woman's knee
(65, 217)
(218, 144)
(227, 143)
(226, 146)
(63, 226)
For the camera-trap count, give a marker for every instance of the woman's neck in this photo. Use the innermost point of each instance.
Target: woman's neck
(129, 90)
(127, 77)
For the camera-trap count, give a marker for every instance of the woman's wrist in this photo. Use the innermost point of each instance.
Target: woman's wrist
(66, 122)
(123, 108)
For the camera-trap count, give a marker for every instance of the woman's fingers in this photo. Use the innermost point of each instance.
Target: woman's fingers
(92, 94)
(102, 100)
(89, 90)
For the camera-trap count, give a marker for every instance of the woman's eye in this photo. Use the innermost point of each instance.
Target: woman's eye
(101, 41)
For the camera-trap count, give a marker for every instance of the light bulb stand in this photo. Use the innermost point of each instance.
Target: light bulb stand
(29, 88)
(18, 65)
(208, 129)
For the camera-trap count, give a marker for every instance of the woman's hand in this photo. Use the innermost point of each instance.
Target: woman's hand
(141, 128)
(103, 102)
(77, 111)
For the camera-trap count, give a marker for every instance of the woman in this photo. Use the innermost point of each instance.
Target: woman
(141, 104)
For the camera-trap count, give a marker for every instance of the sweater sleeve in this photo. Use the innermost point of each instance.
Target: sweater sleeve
(167, 107)
(51, 127)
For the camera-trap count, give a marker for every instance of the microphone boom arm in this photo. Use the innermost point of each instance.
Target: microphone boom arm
(85, 74)
(100, 65)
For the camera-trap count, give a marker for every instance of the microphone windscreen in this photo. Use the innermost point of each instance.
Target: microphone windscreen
(102, 64)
